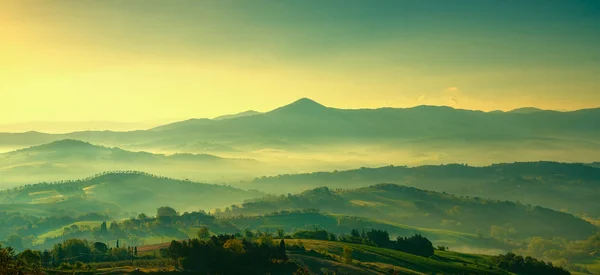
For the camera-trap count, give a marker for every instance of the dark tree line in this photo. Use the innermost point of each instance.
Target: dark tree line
(417, 244)
(216, 255)
(527, 265)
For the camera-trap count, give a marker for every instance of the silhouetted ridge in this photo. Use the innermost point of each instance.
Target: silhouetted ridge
(63, 144)
(526, 110)
(301, 106)
(242, 114)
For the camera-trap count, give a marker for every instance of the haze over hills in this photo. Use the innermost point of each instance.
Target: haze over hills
(69, 158)
(428, 209)
(420, 135)
(242, 114)
(570, 187)
(119, 192)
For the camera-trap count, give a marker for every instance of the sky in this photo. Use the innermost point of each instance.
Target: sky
(149, 60)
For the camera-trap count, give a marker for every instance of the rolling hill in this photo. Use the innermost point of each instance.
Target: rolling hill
(428, 209)
(117, 193)
(571, 187)
(68, 158)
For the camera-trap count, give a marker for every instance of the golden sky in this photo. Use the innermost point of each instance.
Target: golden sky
(144, 61)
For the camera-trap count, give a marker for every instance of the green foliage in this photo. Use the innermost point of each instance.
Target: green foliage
(571, 186)
(417, 245)
(527, 265)
(117, 192)
(311, 234)
(347, 255)
(421, 208)
(215, 256)
(203, 233)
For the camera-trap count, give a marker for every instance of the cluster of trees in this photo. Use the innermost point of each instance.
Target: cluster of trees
(9, 264)
(19, 230)
(527, 265)
(216, 255)
(74, 251)
(417, 244)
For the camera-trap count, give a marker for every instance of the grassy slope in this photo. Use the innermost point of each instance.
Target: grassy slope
(428, 209)
(326, 255)
(59, 231)
(119, 192)
(442, 262)
(343, 224)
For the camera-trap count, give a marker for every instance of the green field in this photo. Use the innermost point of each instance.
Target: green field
(59, 231)
(382, 259)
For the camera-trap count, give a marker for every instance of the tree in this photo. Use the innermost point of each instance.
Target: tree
(380, 238)
(103, 228)
(46, 258)
(332, 237)
(100, 248)
(175, 250)
(166, 211)
(31, 259)
(347, 255)
(203, 233)
(248, 234)
(280, 233)
(15, 241)
(7, 264)
(417, 245)
(281, 251)
(234, 245)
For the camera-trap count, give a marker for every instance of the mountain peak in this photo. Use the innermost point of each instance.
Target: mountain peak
(306, 101)
(303, 105)
(526, 110)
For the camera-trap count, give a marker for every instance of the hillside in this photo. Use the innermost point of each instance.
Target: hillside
(118, 192)
(342, 224)
(428, 209)
(374, 260)
(319, 257)
(68, 158)
(570, 187)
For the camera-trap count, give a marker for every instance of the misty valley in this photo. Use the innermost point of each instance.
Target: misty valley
(308, 189)
(299, 137)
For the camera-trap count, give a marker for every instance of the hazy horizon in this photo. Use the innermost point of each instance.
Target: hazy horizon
(68, 126)
(300, 137)
(122, 61)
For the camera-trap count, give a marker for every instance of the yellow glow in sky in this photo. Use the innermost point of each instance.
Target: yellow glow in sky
(97, 61)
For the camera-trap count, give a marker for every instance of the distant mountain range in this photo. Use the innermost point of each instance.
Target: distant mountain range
(307, 121)
(421, 135)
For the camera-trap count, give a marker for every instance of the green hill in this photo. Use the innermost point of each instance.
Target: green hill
(571, 187)
(428, 209)
(381, 260)
(118, 192)
(74, 159)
